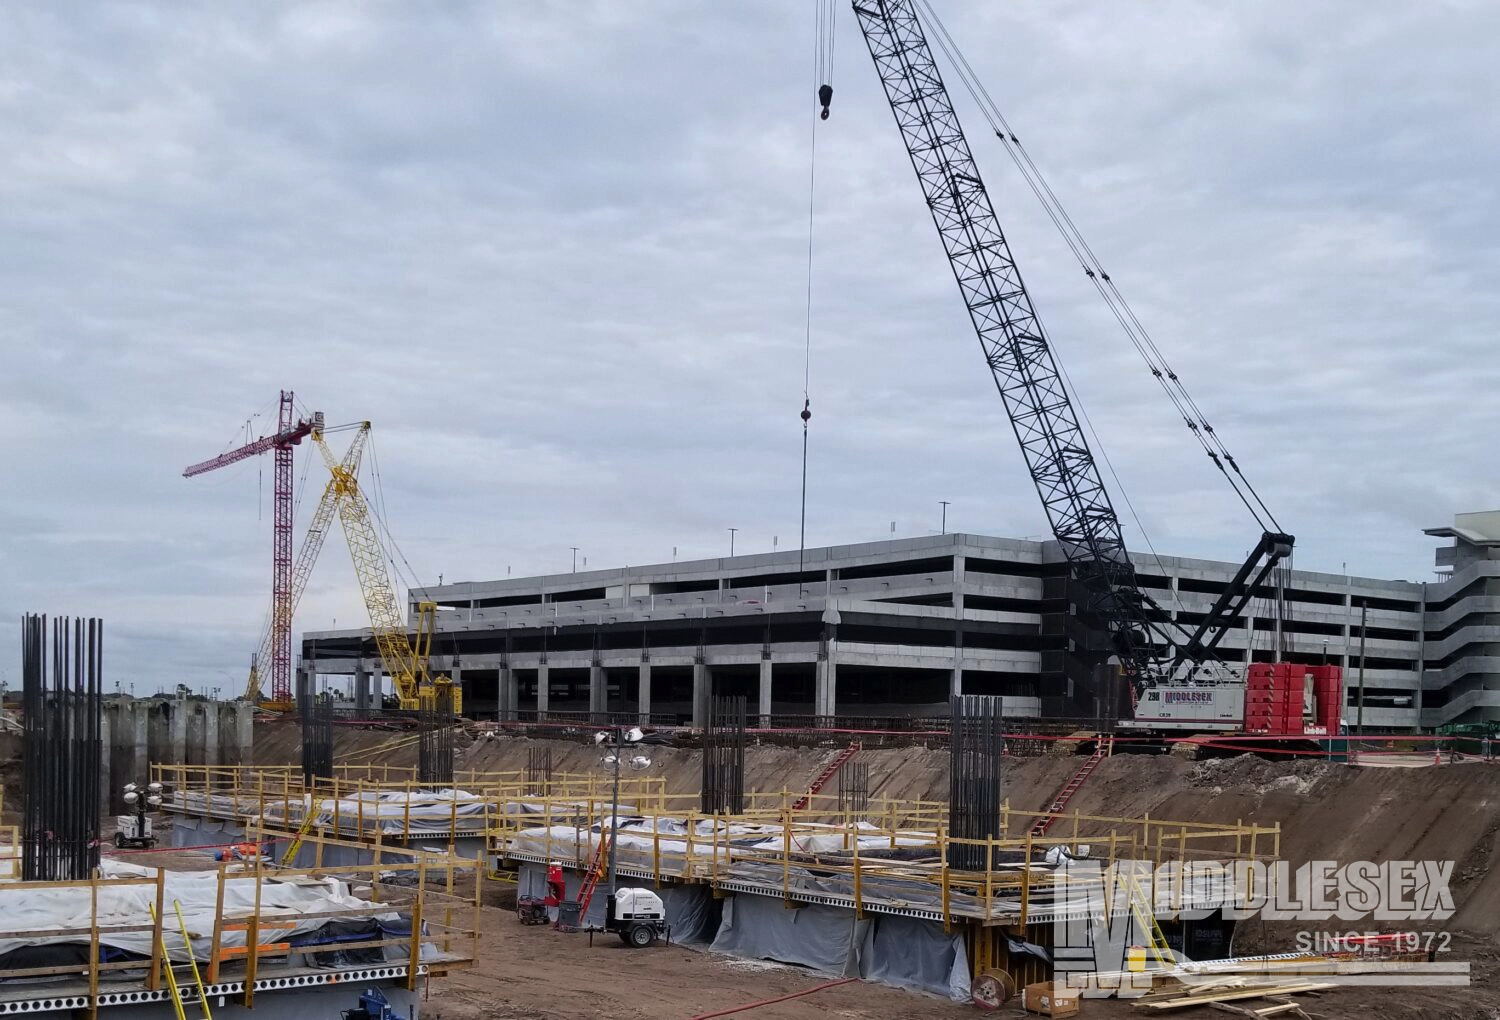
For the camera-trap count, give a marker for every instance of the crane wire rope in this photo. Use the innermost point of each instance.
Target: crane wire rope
(378, 510)
(1176, 391)
(825, 18)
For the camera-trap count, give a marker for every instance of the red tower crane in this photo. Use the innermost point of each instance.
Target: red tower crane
(289, 432)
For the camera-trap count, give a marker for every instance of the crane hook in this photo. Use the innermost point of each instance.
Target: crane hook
(825, 96)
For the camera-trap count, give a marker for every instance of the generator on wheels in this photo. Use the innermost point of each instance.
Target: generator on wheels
(134, 829)
(638, 916)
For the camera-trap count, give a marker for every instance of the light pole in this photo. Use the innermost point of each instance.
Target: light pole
(615, 740)
(731, 540)
(575, 557)
(945, 515)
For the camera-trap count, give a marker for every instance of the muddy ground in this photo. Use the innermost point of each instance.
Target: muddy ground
(535, 973)
(1325, 810)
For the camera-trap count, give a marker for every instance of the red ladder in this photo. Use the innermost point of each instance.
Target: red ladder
(827, 774)
(593, 874)
(1042, 824)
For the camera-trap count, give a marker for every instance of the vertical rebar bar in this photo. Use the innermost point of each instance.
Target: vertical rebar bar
(61, 752)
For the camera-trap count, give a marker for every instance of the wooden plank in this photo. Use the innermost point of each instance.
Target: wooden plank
(1248, 993)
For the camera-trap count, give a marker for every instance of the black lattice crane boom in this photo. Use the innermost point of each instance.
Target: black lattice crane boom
(1015, 347)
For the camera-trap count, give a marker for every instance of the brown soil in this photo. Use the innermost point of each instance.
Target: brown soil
(1327, 811)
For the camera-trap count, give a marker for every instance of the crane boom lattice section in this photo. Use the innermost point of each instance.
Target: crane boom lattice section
(307, 553)
(405, 659)
(1014, 345)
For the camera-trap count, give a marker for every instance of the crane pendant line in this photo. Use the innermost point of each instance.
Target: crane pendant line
(1052, 442)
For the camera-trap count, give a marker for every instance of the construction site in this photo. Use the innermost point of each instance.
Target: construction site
(930, 776)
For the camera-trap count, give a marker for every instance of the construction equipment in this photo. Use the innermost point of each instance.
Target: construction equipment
(404, 655)
(1152, 649)
(373, 1005)
(638, 916)
(134, 829)
(290, 431)
(591, 875)
(307, 553)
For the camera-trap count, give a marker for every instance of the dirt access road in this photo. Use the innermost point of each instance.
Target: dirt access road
(535, 973)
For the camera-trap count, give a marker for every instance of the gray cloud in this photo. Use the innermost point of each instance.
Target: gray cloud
(556, 253)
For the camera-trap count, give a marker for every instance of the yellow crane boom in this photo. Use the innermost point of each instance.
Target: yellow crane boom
(307, 554)
(405, 660)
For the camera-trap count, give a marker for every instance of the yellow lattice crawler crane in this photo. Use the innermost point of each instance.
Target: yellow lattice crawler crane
(307, 555)
(405, 659)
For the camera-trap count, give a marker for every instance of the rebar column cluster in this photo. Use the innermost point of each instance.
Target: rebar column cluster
(854, 786)
(435, 738)
(61, 751)
(539, 770)
(317, 739)
(724, 757)
(974, 789)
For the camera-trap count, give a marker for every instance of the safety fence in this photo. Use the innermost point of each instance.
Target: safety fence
(126, 937)
(871, 865)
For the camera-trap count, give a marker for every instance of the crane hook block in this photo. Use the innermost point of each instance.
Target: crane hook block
(825, 96)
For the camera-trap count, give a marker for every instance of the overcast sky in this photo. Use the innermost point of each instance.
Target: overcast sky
(556, 252)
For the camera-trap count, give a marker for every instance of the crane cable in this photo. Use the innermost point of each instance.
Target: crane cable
(825, 17)
(1176, 391)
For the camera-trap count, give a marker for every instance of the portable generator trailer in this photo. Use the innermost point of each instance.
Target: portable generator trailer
(637, 915)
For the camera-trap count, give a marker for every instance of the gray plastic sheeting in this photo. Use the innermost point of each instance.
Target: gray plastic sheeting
(760, 927)
(902, 951)
(912, 953)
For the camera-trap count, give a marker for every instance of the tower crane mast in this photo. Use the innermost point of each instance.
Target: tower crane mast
(290, 431)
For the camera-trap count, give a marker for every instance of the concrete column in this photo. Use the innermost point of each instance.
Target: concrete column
(827, 680)
(377, 687)
(361, 688)
(643, 697)
(509, 696)
(456, 674)
(211, 733)
(543, 690)
(177, 732)
(700, 694)
(598, 691)
(108, 783)
(765, 690)
(956, 684)
(305, 686)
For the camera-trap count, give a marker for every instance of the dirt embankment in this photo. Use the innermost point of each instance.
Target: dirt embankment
(1327, 811)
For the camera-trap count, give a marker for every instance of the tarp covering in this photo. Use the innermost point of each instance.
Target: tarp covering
(68, 906)
(912, 953)
(393, 811)
(762, 928)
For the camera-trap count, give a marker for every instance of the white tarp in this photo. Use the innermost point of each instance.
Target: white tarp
(397, 811)
(68, 906)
